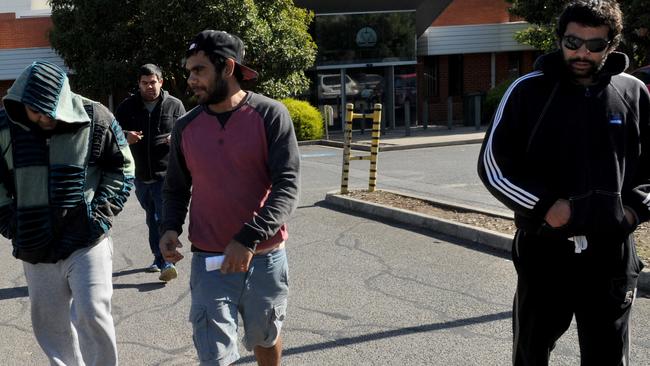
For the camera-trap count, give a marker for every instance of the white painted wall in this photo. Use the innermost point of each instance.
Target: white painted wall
(457, 39)
(25, 8)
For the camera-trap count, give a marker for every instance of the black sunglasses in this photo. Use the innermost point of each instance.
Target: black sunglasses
(593, 45)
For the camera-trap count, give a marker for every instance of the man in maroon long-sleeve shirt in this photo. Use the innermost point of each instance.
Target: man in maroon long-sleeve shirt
(236, 155)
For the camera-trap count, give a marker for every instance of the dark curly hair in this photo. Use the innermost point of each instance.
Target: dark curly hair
(593, 13)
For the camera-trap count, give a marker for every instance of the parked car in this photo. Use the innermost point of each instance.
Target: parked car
(643, 73)
(370, 85)
(329, 86)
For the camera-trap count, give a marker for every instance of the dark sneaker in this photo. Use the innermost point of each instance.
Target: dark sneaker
(168, 272)
(152, 268)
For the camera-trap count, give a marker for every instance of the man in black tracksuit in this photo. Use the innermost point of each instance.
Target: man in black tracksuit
(147, 118)
(569, 152)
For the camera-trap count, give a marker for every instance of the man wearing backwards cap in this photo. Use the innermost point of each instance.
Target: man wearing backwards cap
(65, 172)
(236, 155)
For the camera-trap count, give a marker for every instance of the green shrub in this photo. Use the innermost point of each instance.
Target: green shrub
(307, 120)
(493, 98)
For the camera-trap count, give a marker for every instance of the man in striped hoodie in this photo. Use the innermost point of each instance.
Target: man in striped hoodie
(569, 152)
(65, 172)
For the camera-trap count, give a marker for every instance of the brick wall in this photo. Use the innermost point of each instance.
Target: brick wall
(477, 78)
(501, 67)
(23, 32)
(464, 12)
(438, 104)
(477, 72)
(528, 61)
(4, 86)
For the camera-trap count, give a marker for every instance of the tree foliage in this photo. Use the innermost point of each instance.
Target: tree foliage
(104, 41)
(539, 36)
(542, 14)
(94, 47)
(636, 32)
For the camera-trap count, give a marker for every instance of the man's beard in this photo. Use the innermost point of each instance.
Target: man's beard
(217, 94)
(593, 69)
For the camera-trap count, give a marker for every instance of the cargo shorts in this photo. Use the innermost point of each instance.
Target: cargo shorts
(259, 296)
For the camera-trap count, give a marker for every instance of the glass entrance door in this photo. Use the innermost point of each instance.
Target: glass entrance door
(405, 95)
(371, 82)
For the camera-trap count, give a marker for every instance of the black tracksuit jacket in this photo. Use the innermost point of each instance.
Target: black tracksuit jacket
(551, 139)
(150, 154)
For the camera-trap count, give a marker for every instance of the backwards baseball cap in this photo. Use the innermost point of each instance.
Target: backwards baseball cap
(223, 44)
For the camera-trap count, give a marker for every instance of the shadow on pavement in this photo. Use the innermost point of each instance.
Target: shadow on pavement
(141, 287)
(343, 342)
(127, 272)
(13, 293)
(416, 229)
(17, 292)
(305, 206)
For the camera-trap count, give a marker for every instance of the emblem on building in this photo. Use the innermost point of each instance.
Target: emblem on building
(366, 37)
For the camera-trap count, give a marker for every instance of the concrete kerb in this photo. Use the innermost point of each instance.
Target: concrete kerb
(459, 230)
(456, 205)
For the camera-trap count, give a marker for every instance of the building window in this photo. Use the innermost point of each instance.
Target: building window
(368, 38)
(430, 77)
(456, 75)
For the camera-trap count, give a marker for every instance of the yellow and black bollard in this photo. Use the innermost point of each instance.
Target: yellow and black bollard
(374, 145)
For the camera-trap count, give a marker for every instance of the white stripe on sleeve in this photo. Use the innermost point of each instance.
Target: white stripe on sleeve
(517, 194)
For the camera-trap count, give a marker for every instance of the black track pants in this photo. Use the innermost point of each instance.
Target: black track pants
(554, 284)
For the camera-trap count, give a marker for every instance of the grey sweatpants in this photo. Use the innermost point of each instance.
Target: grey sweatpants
(71, 307)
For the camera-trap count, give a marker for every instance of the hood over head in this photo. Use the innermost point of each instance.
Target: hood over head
(45, 88)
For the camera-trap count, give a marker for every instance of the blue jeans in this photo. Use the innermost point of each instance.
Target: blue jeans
(150, 198)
